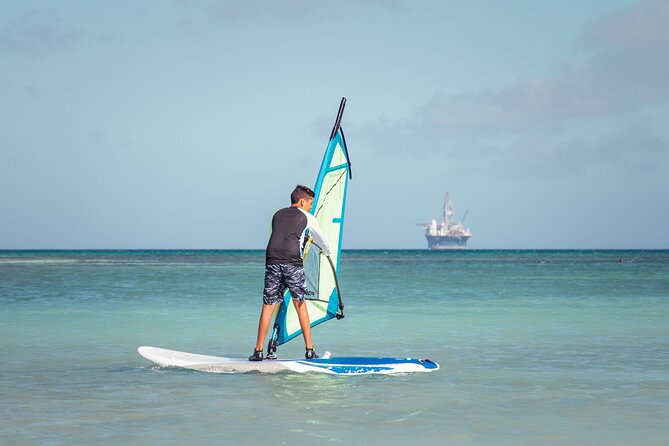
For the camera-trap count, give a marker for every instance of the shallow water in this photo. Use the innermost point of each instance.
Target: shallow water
(536, 347)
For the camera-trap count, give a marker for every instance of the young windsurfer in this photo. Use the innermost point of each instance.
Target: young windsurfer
(284, 268)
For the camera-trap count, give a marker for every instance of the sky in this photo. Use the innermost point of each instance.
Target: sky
(185, 124)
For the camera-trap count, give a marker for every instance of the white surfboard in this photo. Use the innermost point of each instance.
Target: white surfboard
(344, 365)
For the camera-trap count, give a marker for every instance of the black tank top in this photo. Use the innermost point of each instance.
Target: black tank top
(285, 243)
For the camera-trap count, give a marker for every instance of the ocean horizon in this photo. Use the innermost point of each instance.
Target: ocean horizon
(9, 250)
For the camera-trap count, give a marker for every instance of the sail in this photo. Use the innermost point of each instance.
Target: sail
(323, 300)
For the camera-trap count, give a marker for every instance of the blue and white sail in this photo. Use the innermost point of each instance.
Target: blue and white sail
(324, 300)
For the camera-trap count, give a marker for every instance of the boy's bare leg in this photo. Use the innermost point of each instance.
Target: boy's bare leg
(305, 324)
(263, 324)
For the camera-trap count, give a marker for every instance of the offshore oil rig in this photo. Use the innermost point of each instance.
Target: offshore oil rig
(447, 234)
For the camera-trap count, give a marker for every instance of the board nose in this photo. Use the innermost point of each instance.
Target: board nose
(429, 364)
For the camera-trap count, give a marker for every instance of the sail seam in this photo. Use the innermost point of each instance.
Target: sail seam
(330, 190)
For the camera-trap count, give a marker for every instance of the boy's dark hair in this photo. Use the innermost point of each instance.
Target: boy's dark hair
(299, 193)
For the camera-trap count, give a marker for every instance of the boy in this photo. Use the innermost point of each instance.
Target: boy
(284, 268)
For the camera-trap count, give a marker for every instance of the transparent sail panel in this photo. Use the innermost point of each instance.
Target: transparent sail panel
(312, 268)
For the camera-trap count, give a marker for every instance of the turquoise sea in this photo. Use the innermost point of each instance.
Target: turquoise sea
(536, 348)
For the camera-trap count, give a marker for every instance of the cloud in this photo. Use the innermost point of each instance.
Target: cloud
(528, 104)
(627, 66)
(631, 49)
(38, 33)
(634, 147)
(290, 10)
(624, 69)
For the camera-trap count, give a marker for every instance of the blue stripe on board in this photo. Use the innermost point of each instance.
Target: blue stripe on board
(348, 368)
(363, 361)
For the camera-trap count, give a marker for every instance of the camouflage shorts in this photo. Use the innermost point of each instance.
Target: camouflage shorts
(280, 277)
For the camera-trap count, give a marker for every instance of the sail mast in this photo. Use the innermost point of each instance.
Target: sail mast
(337, 124)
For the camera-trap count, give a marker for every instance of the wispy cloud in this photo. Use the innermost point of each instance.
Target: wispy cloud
(38, 33)
(634, 146)
(290, 10)
(528, 104)
(631, 50)
(625, 68)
